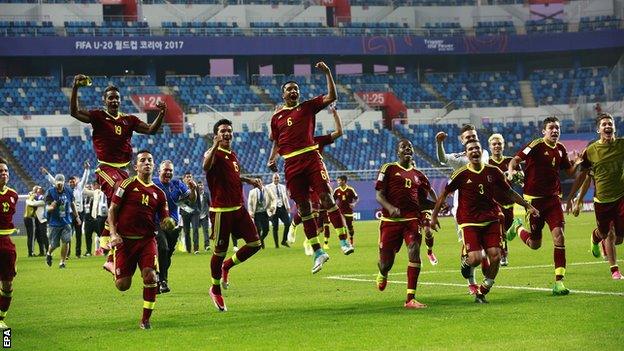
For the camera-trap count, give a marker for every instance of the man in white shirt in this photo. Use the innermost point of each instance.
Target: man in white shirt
(261, 204)
(41, 222)
(457, 160)
(203, 203)
(95, 213)
(282, 209)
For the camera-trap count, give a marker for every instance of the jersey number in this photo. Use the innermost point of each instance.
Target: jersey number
(408, 183)
(481, 191)
(118, 130)
(144, 199)
(324, 175)
(5, 207)
(235, 166)
(553, 162)
(289, 121)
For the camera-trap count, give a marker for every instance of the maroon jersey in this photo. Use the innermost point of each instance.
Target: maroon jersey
(111, 137)
(402, 188)
(476, 194)
(138, 205)
(502, 198)
(293, 127)
(224, 183)
(344, 198)
(8, 203)
(543, 162)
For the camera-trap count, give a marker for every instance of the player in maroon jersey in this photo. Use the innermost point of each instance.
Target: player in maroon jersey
(544, 158)
(292, 133)
(135, 203)
(500, 161)
(478, 213)
(112, 133)
(227, 210)
(8, 255)
(346, 198)
(401, 190)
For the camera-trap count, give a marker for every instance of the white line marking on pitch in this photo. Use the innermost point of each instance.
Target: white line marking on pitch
(588, 292)
(502, 269)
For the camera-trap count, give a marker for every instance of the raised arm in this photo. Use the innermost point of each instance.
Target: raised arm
(331, 86)
(337, 123)
(209, 156)
(441, 153)
(85, 176)
(74, 108)
(153, 127)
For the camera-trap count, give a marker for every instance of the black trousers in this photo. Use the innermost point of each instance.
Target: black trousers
(91, 226)
(261, 219)
(166, 242)
(280, 215)
(29, 223)
(191, 219)
(78, 232)
(41, 234)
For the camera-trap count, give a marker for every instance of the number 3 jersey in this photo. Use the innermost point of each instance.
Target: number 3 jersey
(402, 188)
(476, 194)
(224, 183)
(543, 162)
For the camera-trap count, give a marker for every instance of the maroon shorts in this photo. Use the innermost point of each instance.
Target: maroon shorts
(349, 221)
(549, 212)
(323, 218)
(509, 217)
(8, 256)
(107, 176)
(135, 252)
(393, 234)
(237, 223)
(304, 172)
(477, 238)
(611, 213)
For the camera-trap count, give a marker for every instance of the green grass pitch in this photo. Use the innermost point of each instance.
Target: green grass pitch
(275, 303)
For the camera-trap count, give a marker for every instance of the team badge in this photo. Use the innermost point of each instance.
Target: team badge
(155, 196)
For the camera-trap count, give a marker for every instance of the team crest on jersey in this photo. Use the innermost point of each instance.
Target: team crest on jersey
(546, 153)
(135, 189)
(226, 157)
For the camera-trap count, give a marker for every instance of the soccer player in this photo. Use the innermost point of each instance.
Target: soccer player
(605, 158)
(399, 190)
(322, 219)
(346, 199)
(478, 213)
(458, 160)
(8, 254)
(60, 207)
(131, 221)
(112, 134)
(176, 192)
(498, 160)
(544, 157)
(227, 210)
(292, 133)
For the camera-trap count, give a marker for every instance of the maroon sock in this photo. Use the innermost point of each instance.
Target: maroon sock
(429, 251)
(296, 218)
(336, 219)
(241, 256)
(215, 268)
(412, 279)
(149, 298)
(560, 260)
(483, 290)
(309, 226)
(524, 235)
(5, 301)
